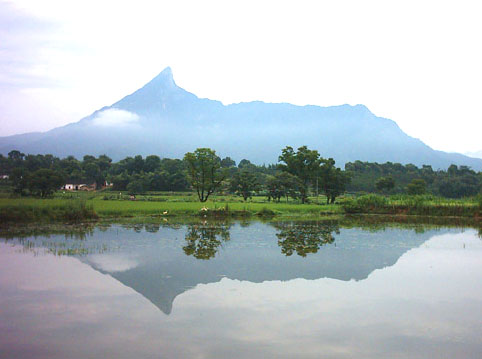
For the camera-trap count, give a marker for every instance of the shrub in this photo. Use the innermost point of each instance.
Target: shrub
(372, 200)
(364, 203)
(265, 212)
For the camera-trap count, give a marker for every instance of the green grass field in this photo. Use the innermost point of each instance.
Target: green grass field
(79, 206)
(109, 205)
(131, 208)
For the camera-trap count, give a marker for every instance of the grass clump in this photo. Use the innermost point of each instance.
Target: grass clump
(266, 212)
(364, 204)
(423, 205)
(24, 210)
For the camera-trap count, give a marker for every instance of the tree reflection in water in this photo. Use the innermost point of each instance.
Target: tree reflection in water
(305, 237)
(152, 227)
(203, 240)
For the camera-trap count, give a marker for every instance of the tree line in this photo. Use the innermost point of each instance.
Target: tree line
(298, 174)
(389, 178)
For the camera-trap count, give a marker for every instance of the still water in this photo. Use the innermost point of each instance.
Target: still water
(242, 290)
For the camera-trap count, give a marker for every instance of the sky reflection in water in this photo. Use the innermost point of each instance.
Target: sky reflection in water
(235, 293)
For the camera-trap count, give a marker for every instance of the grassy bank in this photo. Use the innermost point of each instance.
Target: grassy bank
(76, 207)
(210, 208)
(422, 205)
(31, 209)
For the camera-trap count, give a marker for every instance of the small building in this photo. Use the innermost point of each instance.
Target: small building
(88, 187)
(4, 177)
(107, 185)
(78, 187)
(70, 187)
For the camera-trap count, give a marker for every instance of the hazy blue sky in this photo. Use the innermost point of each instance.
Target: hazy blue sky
(416, 62)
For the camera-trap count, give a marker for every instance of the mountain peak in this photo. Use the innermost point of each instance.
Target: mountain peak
(167, 72)
(164, 79)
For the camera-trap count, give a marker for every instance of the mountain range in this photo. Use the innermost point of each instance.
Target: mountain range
(163, 119)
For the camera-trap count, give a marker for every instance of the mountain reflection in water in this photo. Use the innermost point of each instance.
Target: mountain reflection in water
(243, 290)
(161, 261)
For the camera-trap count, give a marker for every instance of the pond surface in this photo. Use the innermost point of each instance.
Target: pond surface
(242, 290)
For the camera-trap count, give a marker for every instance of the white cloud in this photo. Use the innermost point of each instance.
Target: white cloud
(115, 117)
(112, 263)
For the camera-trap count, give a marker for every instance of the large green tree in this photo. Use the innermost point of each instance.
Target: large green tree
(135, 187)
(333, 180)
(19, 178)
(152, 163)
(282, 184)
(385, 184)
(44, 182)
(304, 164)
(244, 183)
(204, 172)
(417, 186)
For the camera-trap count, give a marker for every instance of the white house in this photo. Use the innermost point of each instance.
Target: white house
(73, 187)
